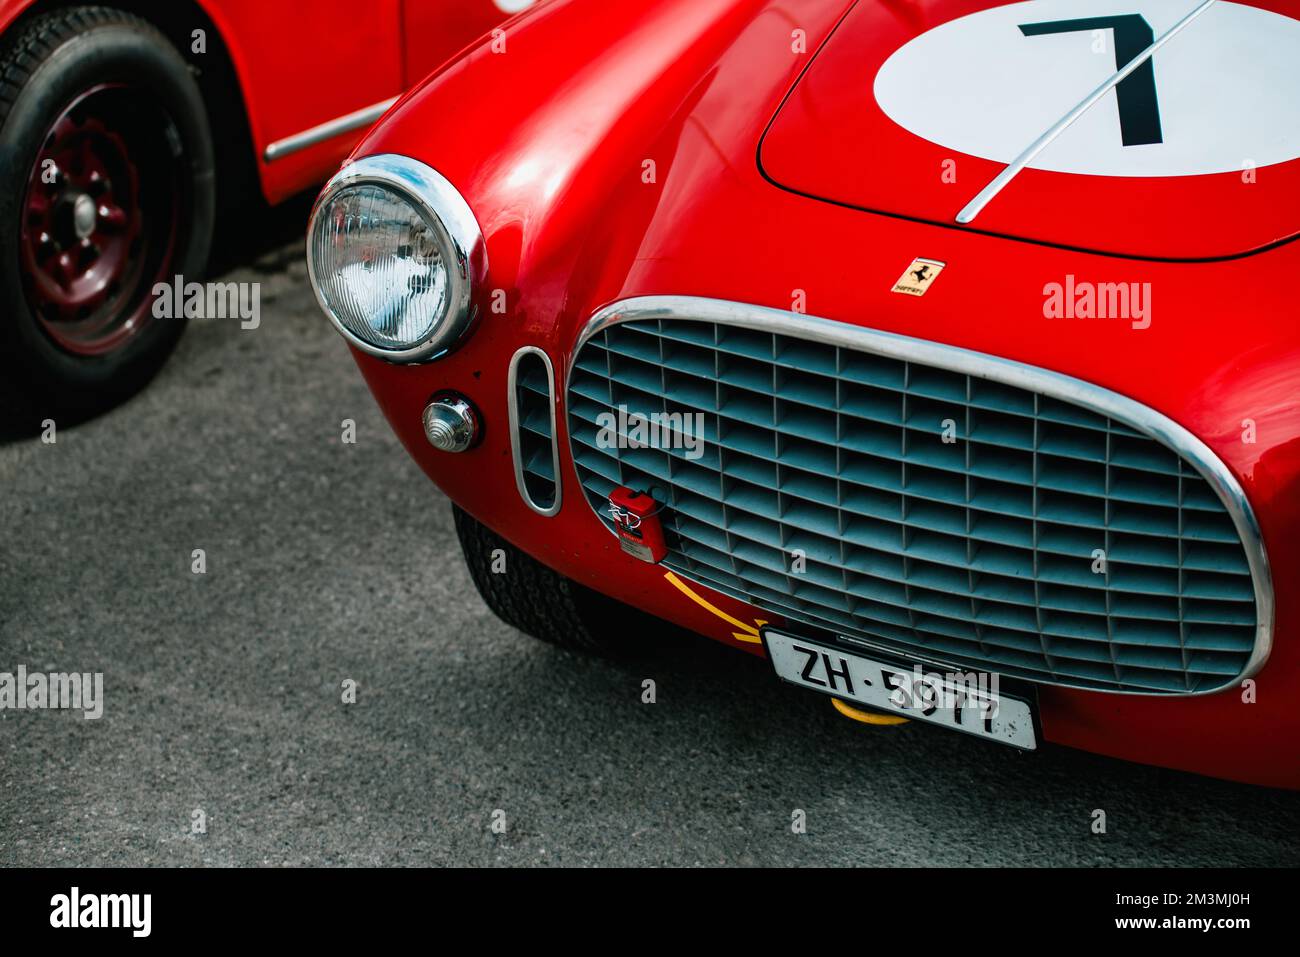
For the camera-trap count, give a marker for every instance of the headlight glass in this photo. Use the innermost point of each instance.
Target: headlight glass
(383, 269)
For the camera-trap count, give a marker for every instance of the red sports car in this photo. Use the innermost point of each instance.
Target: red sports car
(127, 128)
(943, 351)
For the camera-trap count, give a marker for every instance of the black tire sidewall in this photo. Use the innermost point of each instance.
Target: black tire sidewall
(106, 53)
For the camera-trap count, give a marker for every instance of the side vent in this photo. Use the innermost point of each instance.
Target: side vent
(532, 430)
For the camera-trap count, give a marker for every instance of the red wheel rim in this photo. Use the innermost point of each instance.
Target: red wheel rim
(100, 219)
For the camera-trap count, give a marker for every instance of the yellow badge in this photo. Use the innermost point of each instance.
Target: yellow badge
(919, 277)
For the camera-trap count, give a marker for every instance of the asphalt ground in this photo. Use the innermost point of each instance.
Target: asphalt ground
(329, 562)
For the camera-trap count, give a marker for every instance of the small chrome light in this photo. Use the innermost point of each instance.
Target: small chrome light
(394, 255)
(451, 424)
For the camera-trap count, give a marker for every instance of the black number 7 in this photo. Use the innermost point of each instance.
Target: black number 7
(1139, 111)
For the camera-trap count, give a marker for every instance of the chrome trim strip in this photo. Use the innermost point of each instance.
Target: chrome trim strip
(450, 216)
(512, 406)
(976, 205)
(967, 362)
(327, 131)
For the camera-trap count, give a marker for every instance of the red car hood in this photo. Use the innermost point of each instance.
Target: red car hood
(912, 106)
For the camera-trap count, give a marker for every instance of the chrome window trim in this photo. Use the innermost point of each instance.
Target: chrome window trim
(512, 407)
(366, 116)
(1007, 371)
(446, 211)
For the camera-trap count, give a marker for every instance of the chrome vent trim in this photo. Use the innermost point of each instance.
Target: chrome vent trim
(532, 432)
(918, 352)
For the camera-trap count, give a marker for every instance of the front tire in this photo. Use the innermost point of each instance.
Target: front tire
(527, 595)
(107, 187)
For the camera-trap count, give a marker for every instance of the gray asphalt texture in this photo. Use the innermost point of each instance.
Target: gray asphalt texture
(329, 562)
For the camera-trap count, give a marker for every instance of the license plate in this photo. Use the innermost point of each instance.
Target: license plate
(962, 701)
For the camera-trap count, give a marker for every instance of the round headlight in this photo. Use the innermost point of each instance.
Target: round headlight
(394, 254)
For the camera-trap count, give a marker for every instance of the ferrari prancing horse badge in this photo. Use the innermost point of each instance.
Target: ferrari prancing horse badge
(919, 277)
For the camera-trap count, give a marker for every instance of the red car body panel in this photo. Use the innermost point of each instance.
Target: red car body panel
(554, 174)
(832, 142)
(299, 68)
(300, 71)
(434, 31)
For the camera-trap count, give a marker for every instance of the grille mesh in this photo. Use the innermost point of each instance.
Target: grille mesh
(534, 438)
(827, 494)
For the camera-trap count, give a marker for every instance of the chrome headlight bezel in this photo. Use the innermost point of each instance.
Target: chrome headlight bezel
(442, 207)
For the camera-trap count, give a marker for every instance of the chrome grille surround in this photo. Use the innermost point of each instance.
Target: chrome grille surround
(981, 624)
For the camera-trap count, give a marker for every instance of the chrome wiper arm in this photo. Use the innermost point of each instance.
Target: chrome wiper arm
(999, 182)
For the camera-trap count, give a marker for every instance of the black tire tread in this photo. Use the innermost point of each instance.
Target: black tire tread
(23, 53)
(528, 596)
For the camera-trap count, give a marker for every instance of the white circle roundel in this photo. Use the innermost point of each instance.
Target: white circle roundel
(1221, 95)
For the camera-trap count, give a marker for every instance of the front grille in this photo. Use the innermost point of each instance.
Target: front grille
(922, 510)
